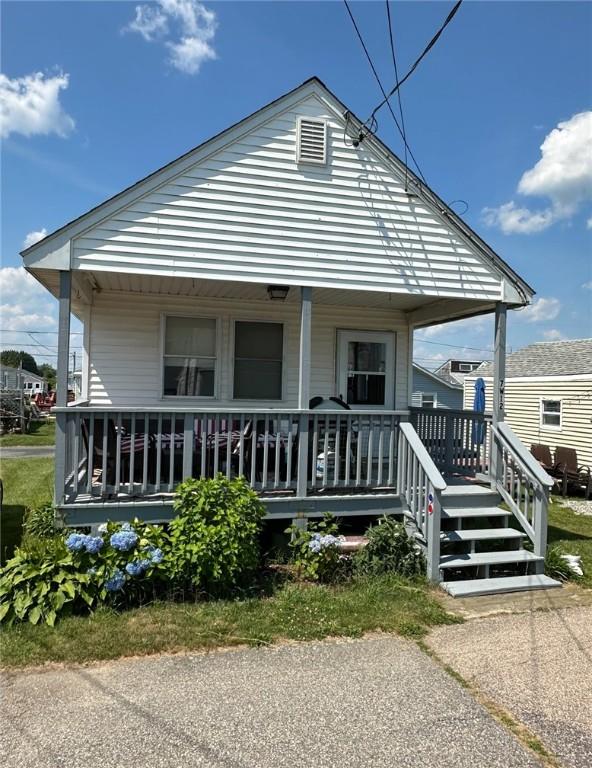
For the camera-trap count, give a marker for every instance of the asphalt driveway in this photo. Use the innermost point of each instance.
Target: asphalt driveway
(378, 702)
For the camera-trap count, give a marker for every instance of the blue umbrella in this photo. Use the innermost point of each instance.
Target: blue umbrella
(479, 407)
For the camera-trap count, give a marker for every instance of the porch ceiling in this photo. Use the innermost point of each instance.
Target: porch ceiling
(422, 309)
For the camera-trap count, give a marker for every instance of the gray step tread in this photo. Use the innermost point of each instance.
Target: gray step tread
(482, 534)
(474, 587)
(467, 490)
(489, 558)
(475, 512)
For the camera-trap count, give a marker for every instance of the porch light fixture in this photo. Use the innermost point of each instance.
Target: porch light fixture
(278, 292)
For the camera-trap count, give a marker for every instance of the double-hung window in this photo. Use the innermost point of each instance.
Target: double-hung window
(551, 413)
(189, 364)
(258, 356)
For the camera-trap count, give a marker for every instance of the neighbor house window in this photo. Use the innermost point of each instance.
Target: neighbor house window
(551, 413)
(189, 357)
(428, 400)
(258, 354)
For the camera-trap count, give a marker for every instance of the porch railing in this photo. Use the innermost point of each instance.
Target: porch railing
(522, 483)
(140, 452)
(457, 441)
(420, 485)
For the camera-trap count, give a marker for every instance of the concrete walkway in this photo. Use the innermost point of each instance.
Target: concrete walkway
(536, 665)
(26, 452)
(379, 702)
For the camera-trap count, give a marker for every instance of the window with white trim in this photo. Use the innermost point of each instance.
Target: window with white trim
(551, 413)
(258, 360)
(428, 399)
(189, 360)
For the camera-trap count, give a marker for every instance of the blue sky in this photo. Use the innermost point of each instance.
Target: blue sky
(119, 104)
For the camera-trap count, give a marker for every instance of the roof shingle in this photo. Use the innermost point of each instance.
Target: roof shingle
(546, 358)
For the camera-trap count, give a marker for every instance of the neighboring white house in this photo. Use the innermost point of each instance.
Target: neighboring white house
(432, 391)
(19, 378)
(455, 371)
(548, 394)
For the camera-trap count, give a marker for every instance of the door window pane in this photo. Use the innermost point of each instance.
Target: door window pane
(365, 389)
(366, 369)
(366, 356)
(258, 352)
(189, 357)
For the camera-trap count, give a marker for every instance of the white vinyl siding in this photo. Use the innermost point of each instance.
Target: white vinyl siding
(125, 351)
(250, 212)
(523, 410)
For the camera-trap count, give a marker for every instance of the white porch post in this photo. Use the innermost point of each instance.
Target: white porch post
(64, 302)
(304, 386)
(499, 384)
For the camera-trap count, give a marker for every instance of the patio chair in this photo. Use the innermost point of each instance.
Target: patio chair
(570, 473)
(128, 446)
(542, 453)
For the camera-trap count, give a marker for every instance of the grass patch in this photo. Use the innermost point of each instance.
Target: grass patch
(41, 433)
(27, 483)
(572, 534)
(294, 612)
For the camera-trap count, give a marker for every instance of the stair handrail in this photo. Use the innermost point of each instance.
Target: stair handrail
(420, 485)
(513, 468)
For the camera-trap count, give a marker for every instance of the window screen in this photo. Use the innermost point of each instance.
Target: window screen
(189, 356)
(258, 352)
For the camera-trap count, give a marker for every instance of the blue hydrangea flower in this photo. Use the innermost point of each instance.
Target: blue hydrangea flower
(126, 527)
(155, 553)
(76, 542)
(329, 541)
(93, 544)
(134, 568)
(124, 540)
(116, 582)
(102, 528)
(146, 564)
(314, 545)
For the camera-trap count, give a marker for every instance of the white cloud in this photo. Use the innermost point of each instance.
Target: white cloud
(563, 175)
(587, 285)
(553, 335)
(186, 27)
(34, 237)
(26, 304)
(589, 223)
(540, 310)
(30, 105)
(514, 220)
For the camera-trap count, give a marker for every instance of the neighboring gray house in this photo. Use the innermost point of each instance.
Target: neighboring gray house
(432, 391)
(548, 394)
(18, 378)
(455, 371)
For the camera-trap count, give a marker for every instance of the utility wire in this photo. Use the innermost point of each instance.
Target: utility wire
(386, 98)
(392, 41)
(455, 346)
(416, 63)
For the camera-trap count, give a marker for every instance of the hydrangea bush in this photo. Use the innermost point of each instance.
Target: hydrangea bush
(389, 550)
(75, 572)
(315, 550)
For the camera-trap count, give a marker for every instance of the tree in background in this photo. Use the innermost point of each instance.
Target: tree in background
(49, 373)
(13, 358)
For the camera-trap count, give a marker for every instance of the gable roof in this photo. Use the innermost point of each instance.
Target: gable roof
(436, 377)
(54, 248)
(545, 358)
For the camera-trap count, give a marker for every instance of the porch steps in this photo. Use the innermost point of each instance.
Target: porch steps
(481, 534)
(509, 563)
(488, 558)
(474, 587)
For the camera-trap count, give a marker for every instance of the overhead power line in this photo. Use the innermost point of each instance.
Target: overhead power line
(386, 98)
(456, 346)
(394, 55)
(20, 330)
(416, 63)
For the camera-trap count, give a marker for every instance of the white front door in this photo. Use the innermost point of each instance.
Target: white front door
(366, 369)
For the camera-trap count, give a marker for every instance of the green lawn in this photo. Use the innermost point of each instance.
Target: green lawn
(27, 483)
(573, 534)
(41, 433)
(294, 612)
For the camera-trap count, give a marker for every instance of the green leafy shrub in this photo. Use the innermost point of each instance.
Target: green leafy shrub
(557, 567)
(73, 573)
(214, 538)
(41, 522)
(315, 550)
(389, 550)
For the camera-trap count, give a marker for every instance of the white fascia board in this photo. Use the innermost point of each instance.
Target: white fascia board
(52, 253)
(550, 378)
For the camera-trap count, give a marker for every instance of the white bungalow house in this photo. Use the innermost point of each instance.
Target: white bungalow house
(249, 309)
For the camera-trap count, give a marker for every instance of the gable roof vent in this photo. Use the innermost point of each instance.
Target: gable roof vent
(312, 141)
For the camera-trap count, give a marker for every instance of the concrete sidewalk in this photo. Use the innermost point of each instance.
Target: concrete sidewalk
(537, 666)
(378, 702)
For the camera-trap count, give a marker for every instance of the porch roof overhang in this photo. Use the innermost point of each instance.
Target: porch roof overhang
(419, 308)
